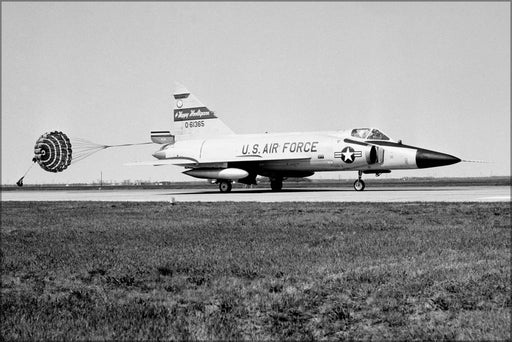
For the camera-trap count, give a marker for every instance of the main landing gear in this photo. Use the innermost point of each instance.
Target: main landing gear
(225, 185)
(359, 183)
(276, 184)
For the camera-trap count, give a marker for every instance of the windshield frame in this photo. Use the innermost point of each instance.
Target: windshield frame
(369, 133)
(376, 134)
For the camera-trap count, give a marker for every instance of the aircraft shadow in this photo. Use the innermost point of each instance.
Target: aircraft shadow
(304, 190)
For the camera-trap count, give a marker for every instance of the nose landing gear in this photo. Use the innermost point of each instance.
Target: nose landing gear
(359, 183)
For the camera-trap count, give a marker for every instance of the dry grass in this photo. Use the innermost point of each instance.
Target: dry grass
(126, 271)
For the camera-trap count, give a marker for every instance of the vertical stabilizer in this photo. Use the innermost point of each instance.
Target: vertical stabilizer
(192, 119)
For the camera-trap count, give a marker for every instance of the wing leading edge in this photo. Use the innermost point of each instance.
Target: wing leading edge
(193, 162)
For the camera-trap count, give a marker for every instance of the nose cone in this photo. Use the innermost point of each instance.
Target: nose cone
(426, 158)
(160, 154)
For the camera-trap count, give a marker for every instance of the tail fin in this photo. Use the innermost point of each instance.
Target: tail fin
(192, 119)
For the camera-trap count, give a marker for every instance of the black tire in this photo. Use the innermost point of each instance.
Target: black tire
(225, 186)
(276, 185)
(359, 185)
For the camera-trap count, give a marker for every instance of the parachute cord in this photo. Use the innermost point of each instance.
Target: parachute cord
(86, 148)
(86, 143)
(20, 181)
(120, 145)
(82, 155)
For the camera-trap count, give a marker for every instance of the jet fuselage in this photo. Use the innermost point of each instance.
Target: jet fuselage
(208, 149)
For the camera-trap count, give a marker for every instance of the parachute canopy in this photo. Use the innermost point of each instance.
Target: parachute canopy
(53, 151)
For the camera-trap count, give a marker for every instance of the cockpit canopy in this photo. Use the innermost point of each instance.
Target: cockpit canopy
(368, 134)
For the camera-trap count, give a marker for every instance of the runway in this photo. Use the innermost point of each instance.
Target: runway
(383, 194)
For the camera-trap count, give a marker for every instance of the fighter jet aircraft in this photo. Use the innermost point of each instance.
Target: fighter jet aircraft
(208, 149)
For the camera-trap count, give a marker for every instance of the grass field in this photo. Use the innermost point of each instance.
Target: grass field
(133, 271)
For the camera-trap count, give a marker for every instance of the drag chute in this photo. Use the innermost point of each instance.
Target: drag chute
(55, 151)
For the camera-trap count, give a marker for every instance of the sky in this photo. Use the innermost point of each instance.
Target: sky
(434, 74)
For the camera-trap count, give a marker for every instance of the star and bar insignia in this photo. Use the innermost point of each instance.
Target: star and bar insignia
(348, 154)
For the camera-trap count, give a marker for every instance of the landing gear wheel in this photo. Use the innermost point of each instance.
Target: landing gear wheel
(276, 185)
(359, 185)
(224, 186)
